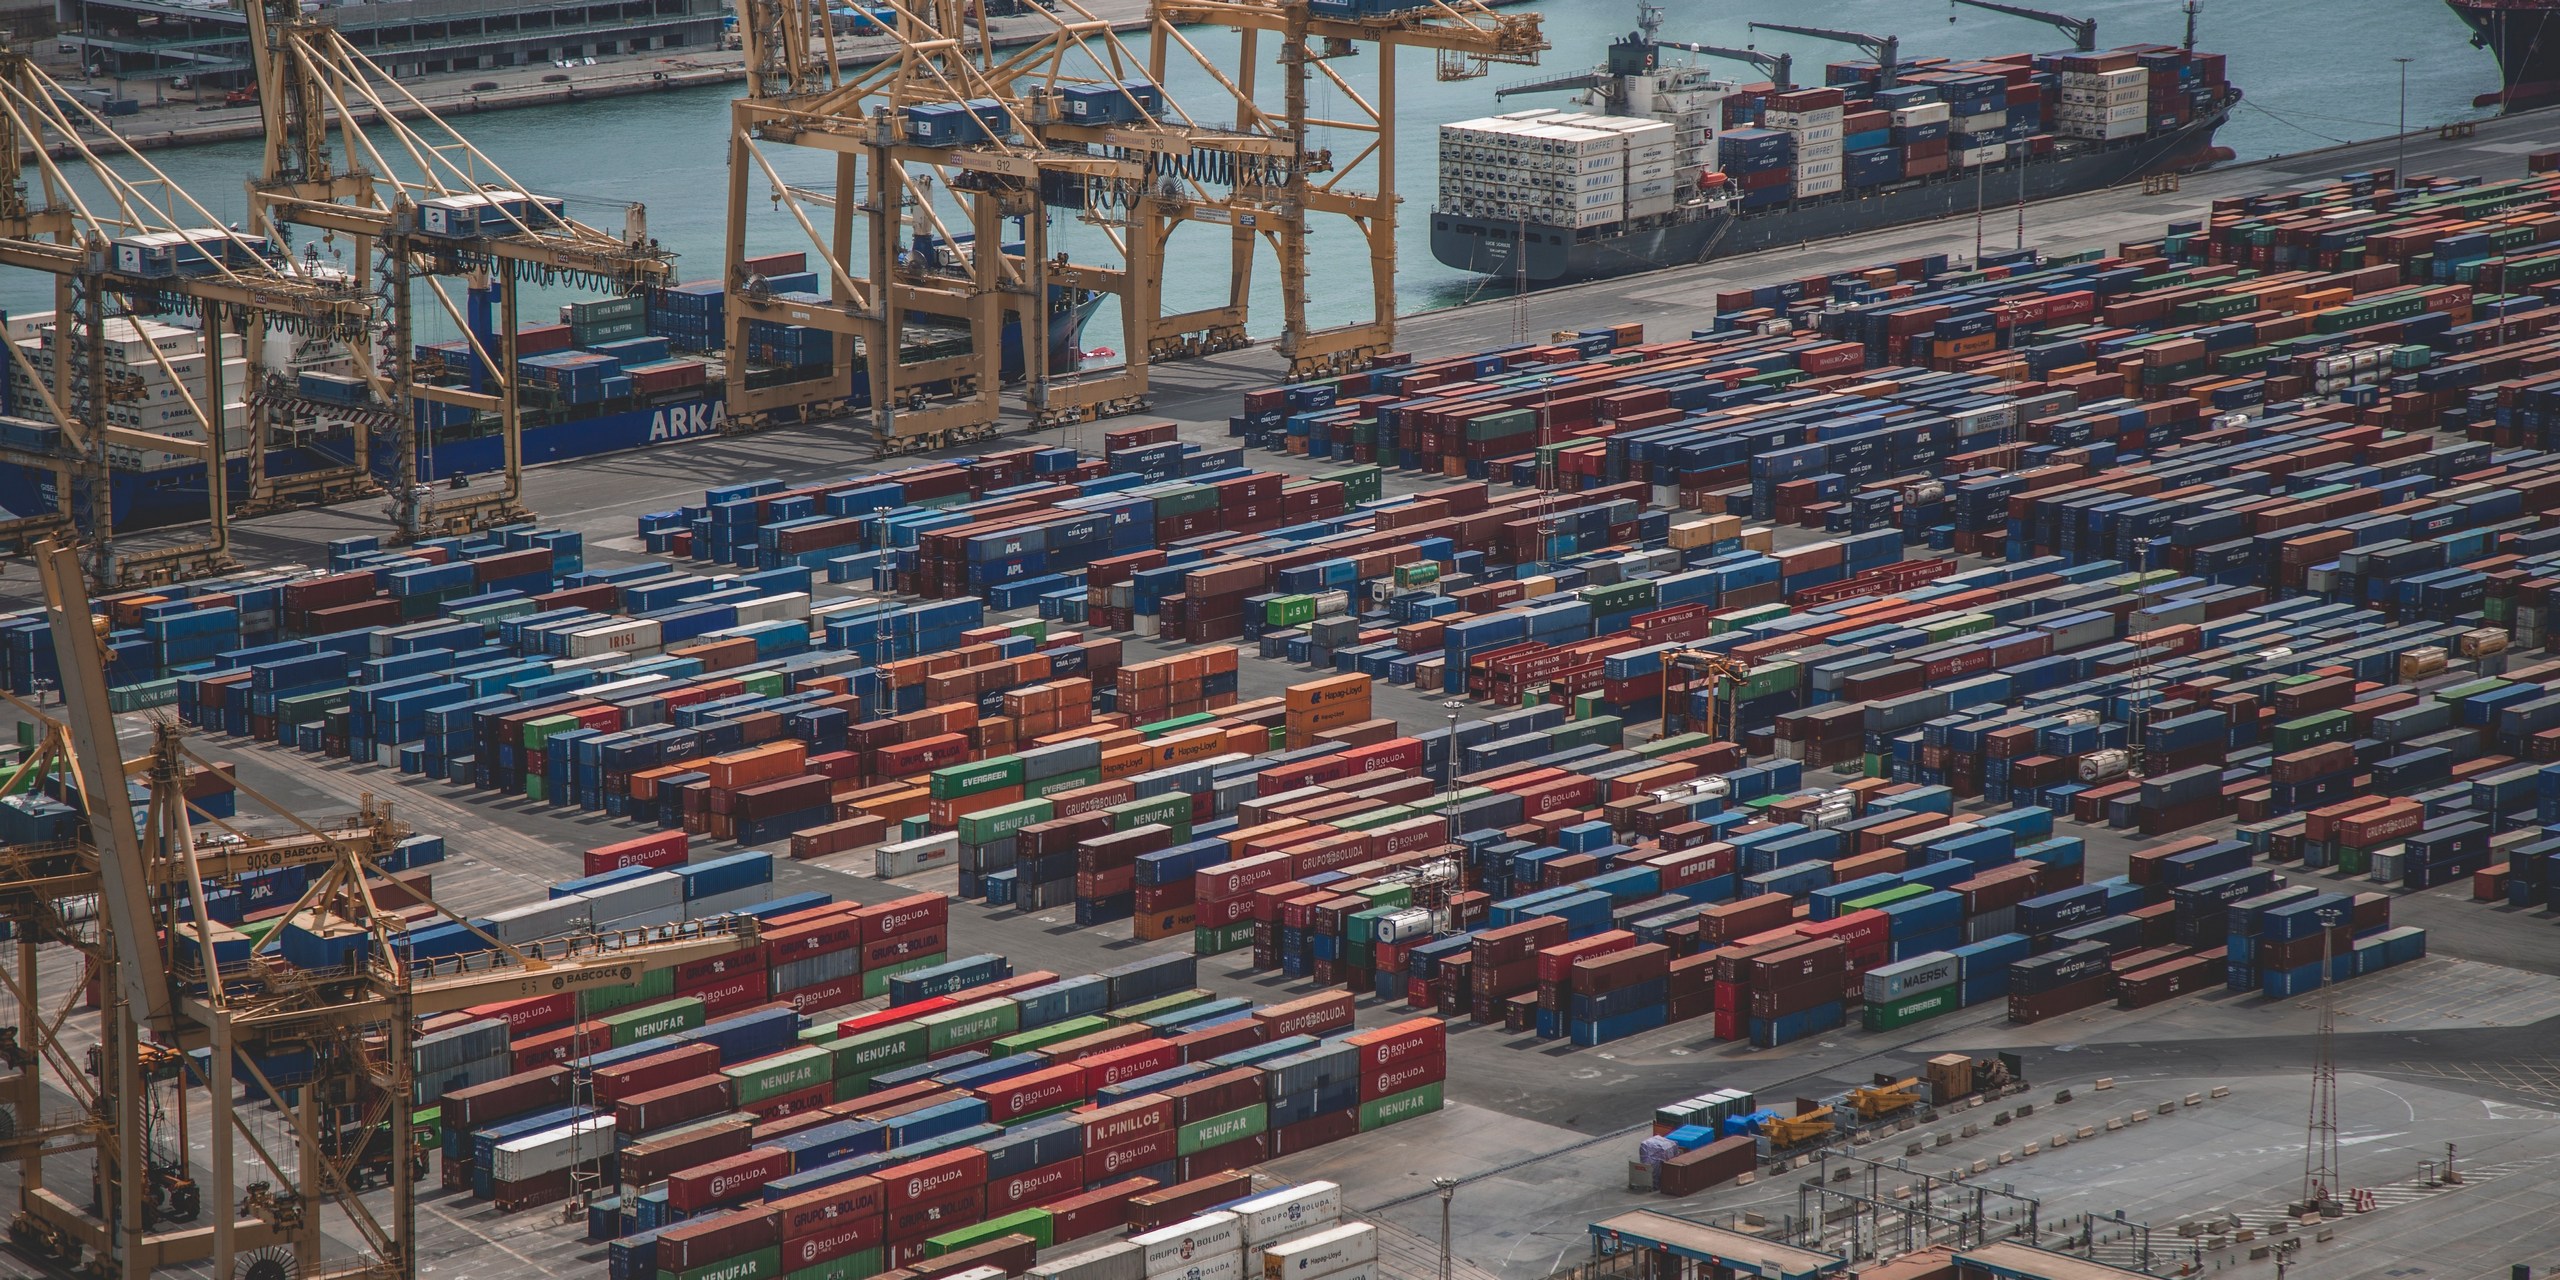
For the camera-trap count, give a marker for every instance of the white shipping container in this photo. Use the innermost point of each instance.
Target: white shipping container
(1658, 188)
(1609, 181)
(1119, 1260)
(1831, 150)
(1983, 123)
(1818, 186)
(1930, 113)
(1799, 119)
(1365, 1271)
(791, 604)
(1609, 199)
(911, 857)
(1321, 1253)
(1651, 206)
(636, 636)
(1827, 168)
(1218, 1266)
(648, 899)
(1993, 154)
(1651, 152)
(553, 1150)
(1288, 1211)
(1637, 173)
(536, 920)
(1593, 217)
(1173, 1247)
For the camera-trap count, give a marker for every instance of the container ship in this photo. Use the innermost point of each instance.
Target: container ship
(2524, 35)
(1677, 166)
(609, 375)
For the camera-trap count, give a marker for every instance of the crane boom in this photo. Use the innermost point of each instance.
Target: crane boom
(1781, 67)
(1886, 50)
(2083, 31)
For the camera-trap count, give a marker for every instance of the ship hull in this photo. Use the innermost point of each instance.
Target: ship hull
(1554, 255)
(2525, 38)
(175, 495)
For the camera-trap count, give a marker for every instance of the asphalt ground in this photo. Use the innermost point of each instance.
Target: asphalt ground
(2460, 1040)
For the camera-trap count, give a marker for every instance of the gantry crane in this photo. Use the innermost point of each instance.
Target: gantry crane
(128, 251)
(1466, 37)
(178, 1002)
(1724, 677)
(1886, 50)
(419, 204)
(2082, 31)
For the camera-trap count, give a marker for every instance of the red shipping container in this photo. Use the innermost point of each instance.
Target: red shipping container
(1404, 1042)
(525, 1017)
(792, 1104)
(853, 1200)
(543, 1089)
(699, 972)
(726, 1181)
(1097, 1211)
(894, 1014)
(1035, 1186)
(832, 1240)
(1128, 1062)
(1140, 1117)
(1689, 866)
(1200, 1046)
(1312, 1016)
(802, 939)
(882, 952)
(1332, 1126)
(666, 849)
(1241, 877)
(703, 1241)
(1243, 1153)
(824, 995)
(915, 914)
(1411, 1073)
(1119, 1161)
(1042, 1090)
(1216, 1095)
(1857, 930)
(1555, 963)
(657, 1071)
(933, 1217)
(932, 1178)
(721, 997)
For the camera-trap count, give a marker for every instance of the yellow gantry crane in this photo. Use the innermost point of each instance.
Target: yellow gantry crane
(181, 1005)
(129, 252)
(948, 143)
(1466, 38)
(351, 152)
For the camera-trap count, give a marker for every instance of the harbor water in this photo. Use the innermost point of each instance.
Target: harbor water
(2315, 72)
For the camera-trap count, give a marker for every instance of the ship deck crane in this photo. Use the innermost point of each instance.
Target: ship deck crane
(418, 202)
(2082, 31)
(1779, 67)
(1886, 50)
(165, 987)
(126, 247)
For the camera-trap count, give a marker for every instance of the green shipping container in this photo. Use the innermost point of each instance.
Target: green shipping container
(1034, 1223)
(1741, 618)
(992, 774)
(1910, 1009)
(1043, 788)
(1167, 810)
(658, 984)
(1771, 677)
(990, 825)
(763, 1264)
(1218, 1131)
(1289, 611)
(875, 982)
(852, 1266)
(1161, 1004)
(429, 1125)
(878, 1049)
(948, 1029)
(1416, 575)
(753, 1082)
(1399, 1106)
(1360, 484)
(1057, 1032)
(1603, 730)
(1885, 897)
(768, 684)
(1217, 940)
(631, 1026)
(2312, 730)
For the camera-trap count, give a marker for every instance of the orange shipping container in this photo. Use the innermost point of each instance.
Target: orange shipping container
(1333, 691)
(767, 763)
